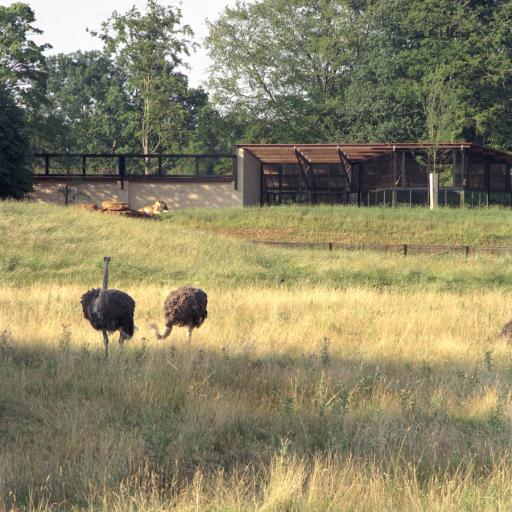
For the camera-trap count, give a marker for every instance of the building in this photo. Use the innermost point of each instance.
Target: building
(370, 174)
(272, 174)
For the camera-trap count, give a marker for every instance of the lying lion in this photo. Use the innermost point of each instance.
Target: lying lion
(154, 209)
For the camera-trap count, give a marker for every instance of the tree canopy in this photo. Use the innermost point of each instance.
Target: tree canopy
(323, 70)
(282, 71)
(15, 174)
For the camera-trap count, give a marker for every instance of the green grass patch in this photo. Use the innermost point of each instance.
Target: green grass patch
(64, 245)
(482, 227)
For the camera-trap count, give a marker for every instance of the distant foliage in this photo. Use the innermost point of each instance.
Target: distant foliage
(15, 174)
(325, 70)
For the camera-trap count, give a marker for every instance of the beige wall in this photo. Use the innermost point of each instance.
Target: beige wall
(248, 169)
(191, 194)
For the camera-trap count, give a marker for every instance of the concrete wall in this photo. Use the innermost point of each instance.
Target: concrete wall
(176, 193)
(249, 177)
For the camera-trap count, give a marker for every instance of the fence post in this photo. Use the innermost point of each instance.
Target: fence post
(330, 246)
(159, 165)
(466, 250)
(404, 247)
(196, 165)
(84, 165)
(46, 164)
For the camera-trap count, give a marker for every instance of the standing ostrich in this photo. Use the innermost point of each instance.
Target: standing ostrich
(184, 307)
(109, 310)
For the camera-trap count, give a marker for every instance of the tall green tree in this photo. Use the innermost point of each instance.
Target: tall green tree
(283, 65)
(87, 92)
(318, 70)
(149, 47)
(21, 59)
(15, 174)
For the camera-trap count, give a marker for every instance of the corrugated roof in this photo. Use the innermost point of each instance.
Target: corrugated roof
(328, 153)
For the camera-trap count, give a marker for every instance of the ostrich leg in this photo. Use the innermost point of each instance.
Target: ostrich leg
(105, 342)
(121, 339)
(189, 334)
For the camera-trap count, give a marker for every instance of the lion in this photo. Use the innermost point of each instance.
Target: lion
(154, 209)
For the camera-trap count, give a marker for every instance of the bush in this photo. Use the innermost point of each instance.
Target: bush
(15, 175)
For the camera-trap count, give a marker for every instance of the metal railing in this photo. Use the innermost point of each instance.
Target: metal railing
(134, 164)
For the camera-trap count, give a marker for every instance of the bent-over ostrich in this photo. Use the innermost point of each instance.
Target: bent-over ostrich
(184, 307)
(506, 332)
(109, 310)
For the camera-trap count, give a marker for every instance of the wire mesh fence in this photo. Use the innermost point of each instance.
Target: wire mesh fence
(404, 249)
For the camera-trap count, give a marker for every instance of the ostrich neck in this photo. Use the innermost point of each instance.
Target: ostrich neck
(104, 285)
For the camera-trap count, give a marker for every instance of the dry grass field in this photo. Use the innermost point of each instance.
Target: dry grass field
(318, 382)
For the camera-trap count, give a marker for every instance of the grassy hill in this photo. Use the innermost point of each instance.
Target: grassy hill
(54, 244)
(481, 227)
(320, 381)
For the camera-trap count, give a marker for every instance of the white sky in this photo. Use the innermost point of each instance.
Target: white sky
(64, 22)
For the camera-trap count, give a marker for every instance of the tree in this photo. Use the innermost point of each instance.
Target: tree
(87, 92)
(443, 123)
(148, 48)
(284, 65)
(15, 174)
(21, 59)
(355, 70)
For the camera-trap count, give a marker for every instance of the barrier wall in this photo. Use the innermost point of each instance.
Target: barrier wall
(196, 192)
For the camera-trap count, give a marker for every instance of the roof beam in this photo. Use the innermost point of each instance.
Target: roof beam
(346, 165)
(305, 167)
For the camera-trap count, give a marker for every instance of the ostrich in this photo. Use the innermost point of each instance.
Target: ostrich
(506, 332)
(184, 307)
(109, 310)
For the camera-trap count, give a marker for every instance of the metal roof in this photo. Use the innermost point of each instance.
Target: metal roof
(329, 153)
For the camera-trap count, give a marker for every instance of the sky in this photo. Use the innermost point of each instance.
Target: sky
(64, 24)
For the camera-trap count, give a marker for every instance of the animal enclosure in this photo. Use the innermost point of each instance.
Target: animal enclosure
(392, 173)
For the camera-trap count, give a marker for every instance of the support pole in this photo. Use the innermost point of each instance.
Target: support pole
(262, 182)
(433, 189)
(403, 171)
(280, 177)
(395, 169)
(121, 163)
(508, 185)
(487, 167)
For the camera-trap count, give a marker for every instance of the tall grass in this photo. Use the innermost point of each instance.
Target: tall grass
(318, 382)
(285, 400)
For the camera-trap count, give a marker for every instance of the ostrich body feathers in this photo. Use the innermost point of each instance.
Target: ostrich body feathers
(114, 313)
(185, 306)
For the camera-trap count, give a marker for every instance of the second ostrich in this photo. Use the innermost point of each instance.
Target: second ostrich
(184, 307)
(109, 310)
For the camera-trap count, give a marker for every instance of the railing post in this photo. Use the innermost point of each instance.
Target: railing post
(46, 164)
(121, 164)
(160, 165)
(196, 165)
(84, 165)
